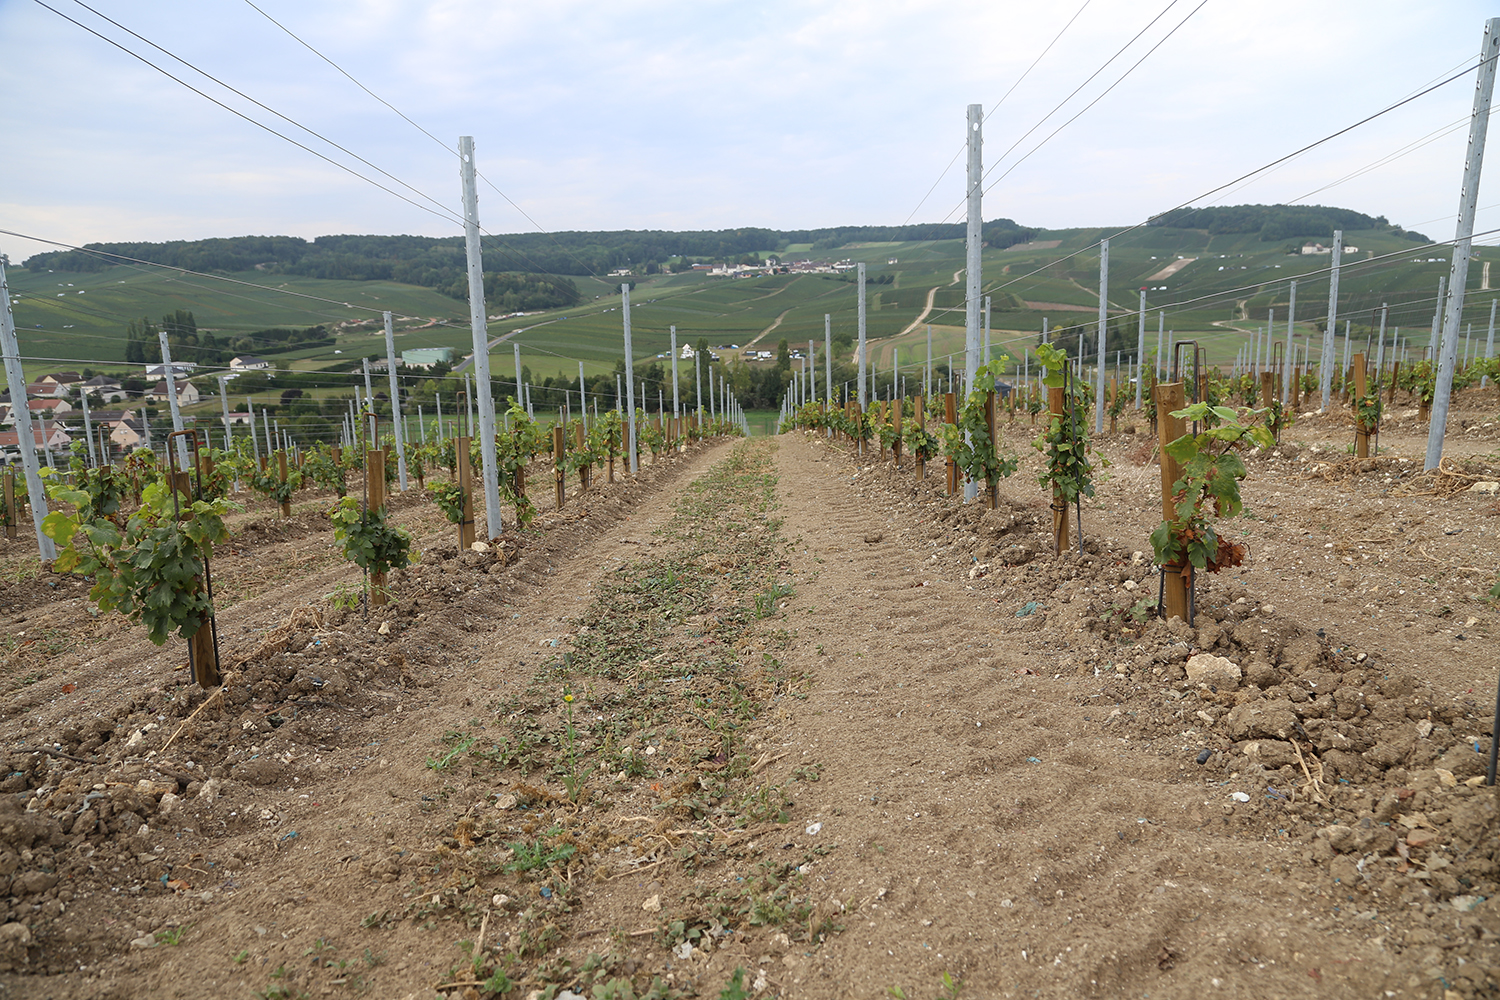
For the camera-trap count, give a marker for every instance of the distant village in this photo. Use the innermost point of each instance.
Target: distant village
(66, 407)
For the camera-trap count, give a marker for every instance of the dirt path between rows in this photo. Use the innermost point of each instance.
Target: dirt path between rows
(994, 823)
(777, 721)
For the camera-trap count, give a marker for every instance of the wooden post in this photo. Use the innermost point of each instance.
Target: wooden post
(1361, 431)
(1296, 389)
(202, 655)
(896, 418)
(1170, 396)
(921, 405)
(286, 505)
(1057, 406)
(950, 413)
(1267, 388)
(10, 503)
(1114, 393)
(585, 472)
(375, 485)
(879, 421)
(991, 422)
(338, 455)
(559, 456)
(464, 476)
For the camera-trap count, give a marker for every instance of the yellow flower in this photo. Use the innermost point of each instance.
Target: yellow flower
(568, 697)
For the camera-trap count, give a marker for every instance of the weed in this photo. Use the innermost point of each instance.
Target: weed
(242, 957)
(735, 989)
(951, 988)
(172, 936)
(319, 946)
(765, 601)
(280, 992)
(345, 597)
(452, 755)
(372, 960)
(538, 854)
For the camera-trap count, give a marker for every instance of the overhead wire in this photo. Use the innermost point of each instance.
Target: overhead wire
(1251, 173)
(995, 106)
(443, 212)
(406, 118)
(1082, 111)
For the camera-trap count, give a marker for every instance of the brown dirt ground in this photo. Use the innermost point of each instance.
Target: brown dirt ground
(1008, 783)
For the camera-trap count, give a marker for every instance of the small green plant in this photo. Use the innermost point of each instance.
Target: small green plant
(462, 747)
(171, 936)
(242, 957)
(950, 989)
(273, 487)
(369, 542)
(573, 780)
(148, 569)
(969, 442)
(1207, 488)
(1367, 411)
(538, 854)
(450, 498)
(1065, 449)
(735, 988)
(921, 444)
(765, 601)
(344, 597)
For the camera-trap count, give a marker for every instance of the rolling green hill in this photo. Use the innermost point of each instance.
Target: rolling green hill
(1223, 292)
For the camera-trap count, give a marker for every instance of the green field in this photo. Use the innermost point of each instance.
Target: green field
(79, 319)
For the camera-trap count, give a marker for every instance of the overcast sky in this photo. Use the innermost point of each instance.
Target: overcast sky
(711, 114)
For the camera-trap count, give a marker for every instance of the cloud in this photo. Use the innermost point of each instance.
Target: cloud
(713, 114)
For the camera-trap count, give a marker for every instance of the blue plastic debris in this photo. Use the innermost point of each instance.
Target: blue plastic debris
(546, 892)
(1028, 608)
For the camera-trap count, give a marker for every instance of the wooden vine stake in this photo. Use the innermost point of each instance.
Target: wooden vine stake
(286, 505)
(1362, 431)
(585, 472)
(921, 405)
(465, 478)
(375, 487)
(896, 447)
(1170, 397)
(1267, 388)
(559, 456)
(10, 503)
(203, 651)
(991, 422)
(950, 413)
(1057, 406)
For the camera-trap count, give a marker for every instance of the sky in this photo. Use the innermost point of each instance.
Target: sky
(711, 115)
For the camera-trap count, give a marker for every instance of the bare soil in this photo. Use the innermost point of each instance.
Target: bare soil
(777, 709)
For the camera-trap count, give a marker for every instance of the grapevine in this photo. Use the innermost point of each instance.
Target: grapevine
(450, 498)
(1207, 488)
(369, 542)
(148, 568)
(968, 442)
(1068, 469)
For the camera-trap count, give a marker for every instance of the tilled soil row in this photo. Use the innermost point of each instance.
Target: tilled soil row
(1337, 776)
(150, 807)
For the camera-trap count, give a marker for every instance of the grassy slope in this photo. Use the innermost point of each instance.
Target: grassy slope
(1234, 276)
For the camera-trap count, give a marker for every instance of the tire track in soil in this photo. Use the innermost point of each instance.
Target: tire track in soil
(301, 859)
(988, 825)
